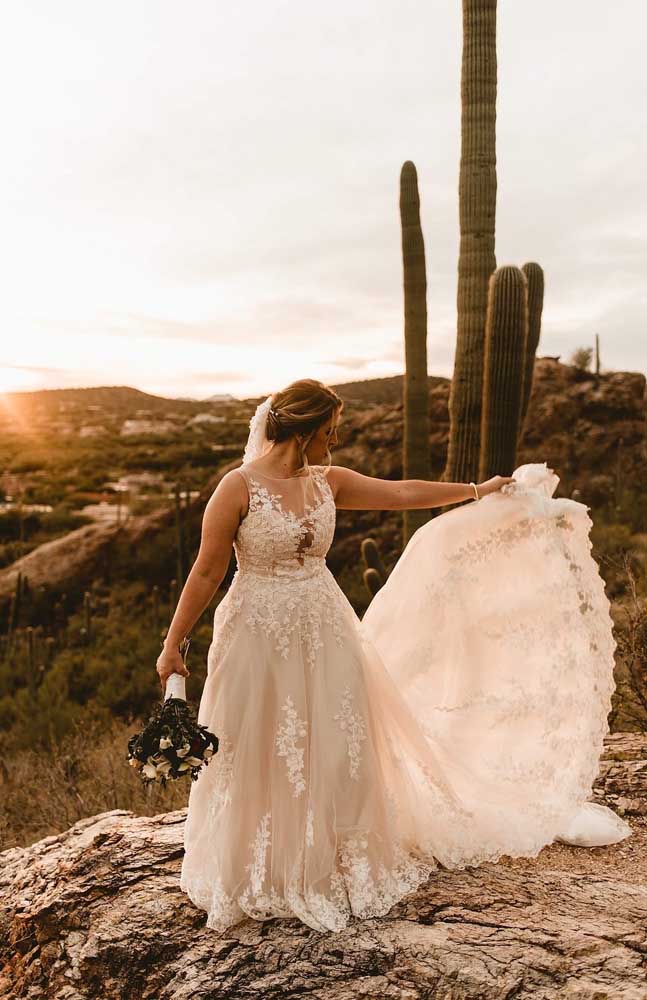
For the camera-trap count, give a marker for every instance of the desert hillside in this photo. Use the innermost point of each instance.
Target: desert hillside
(591, 431)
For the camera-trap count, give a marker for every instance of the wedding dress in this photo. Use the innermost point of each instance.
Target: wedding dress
(460, 720)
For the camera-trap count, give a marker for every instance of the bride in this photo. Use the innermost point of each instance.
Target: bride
(460, 720)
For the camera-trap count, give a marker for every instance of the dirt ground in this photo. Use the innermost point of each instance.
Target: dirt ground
(625, 861)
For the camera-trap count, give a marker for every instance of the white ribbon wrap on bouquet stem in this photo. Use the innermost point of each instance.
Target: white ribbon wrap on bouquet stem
(175, 687)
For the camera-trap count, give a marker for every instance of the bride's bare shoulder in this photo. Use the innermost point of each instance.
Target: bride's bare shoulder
(336, 476)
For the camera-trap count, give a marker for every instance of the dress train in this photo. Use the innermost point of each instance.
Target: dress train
(495, 627)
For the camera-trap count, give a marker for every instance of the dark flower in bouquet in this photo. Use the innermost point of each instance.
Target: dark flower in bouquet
(172, 744)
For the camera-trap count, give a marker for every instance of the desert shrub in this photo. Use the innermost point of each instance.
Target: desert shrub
(44, 791)
(581, 358)
(15, 523)
(615, 547)
(630, 698)
(111, 675)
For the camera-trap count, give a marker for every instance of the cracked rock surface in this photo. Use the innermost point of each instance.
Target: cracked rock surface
(97, 912)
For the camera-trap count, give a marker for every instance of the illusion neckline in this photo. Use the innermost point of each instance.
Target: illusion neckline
(280, 479)
(309, 512)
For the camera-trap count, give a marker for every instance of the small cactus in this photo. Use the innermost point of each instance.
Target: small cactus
(31, 656)
(180, 536)
(373, 581)
(87, 614)
(618, 491)
(375, 575)
(372, 557)
(597, 359)
(50, 643)
(11, 624)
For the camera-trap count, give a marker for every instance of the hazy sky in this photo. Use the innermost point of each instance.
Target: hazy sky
(203, 197)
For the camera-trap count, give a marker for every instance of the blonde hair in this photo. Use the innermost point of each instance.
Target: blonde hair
(299, 410)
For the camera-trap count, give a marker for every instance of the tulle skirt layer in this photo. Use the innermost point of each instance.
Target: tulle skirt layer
(311, 807)
(504, 651)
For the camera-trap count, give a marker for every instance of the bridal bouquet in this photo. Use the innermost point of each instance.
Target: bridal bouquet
(172, 743)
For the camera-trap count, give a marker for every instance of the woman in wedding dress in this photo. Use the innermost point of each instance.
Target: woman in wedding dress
(460, 720)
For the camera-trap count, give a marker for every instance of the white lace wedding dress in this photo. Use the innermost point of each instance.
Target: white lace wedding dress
(460, 720)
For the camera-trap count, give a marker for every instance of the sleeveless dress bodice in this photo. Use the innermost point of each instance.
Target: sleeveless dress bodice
(288, 528)
(282, 586)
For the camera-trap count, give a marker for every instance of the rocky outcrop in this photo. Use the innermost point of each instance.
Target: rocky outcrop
(622, 780)
(97, 912)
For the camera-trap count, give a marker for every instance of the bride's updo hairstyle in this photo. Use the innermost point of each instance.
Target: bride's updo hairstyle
(299, 410)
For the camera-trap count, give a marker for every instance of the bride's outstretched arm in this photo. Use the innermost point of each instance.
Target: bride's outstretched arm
(354, 491)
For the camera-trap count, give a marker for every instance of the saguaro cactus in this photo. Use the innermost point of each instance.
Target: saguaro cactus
(535, 282)
(155, 598)
(506, 335)
(477, 215)
(415, 451)
(12, 621)
(87, 614)
(597, 359)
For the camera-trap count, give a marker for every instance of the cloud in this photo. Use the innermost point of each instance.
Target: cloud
(350, 362)
(37, 370)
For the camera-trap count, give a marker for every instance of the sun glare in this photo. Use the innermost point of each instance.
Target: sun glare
(15, 380)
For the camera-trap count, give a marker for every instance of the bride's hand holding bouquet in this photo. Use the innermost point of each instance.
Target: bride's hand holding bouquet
(169, 662)
(172, 743)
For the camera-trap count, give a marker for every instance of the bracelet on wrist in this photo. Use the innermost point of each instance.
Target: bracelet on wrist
(476, 492)
(182, 646)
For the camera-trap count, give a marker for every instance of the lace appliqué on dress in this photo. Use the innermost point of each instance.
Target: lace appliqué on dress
(290, 731)
(210, 895)
(222, 763)
(359, 885)
(254, 901)
(259, 848)
(373, 893)
(310, 833)
(351, 723)
(534, 527)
